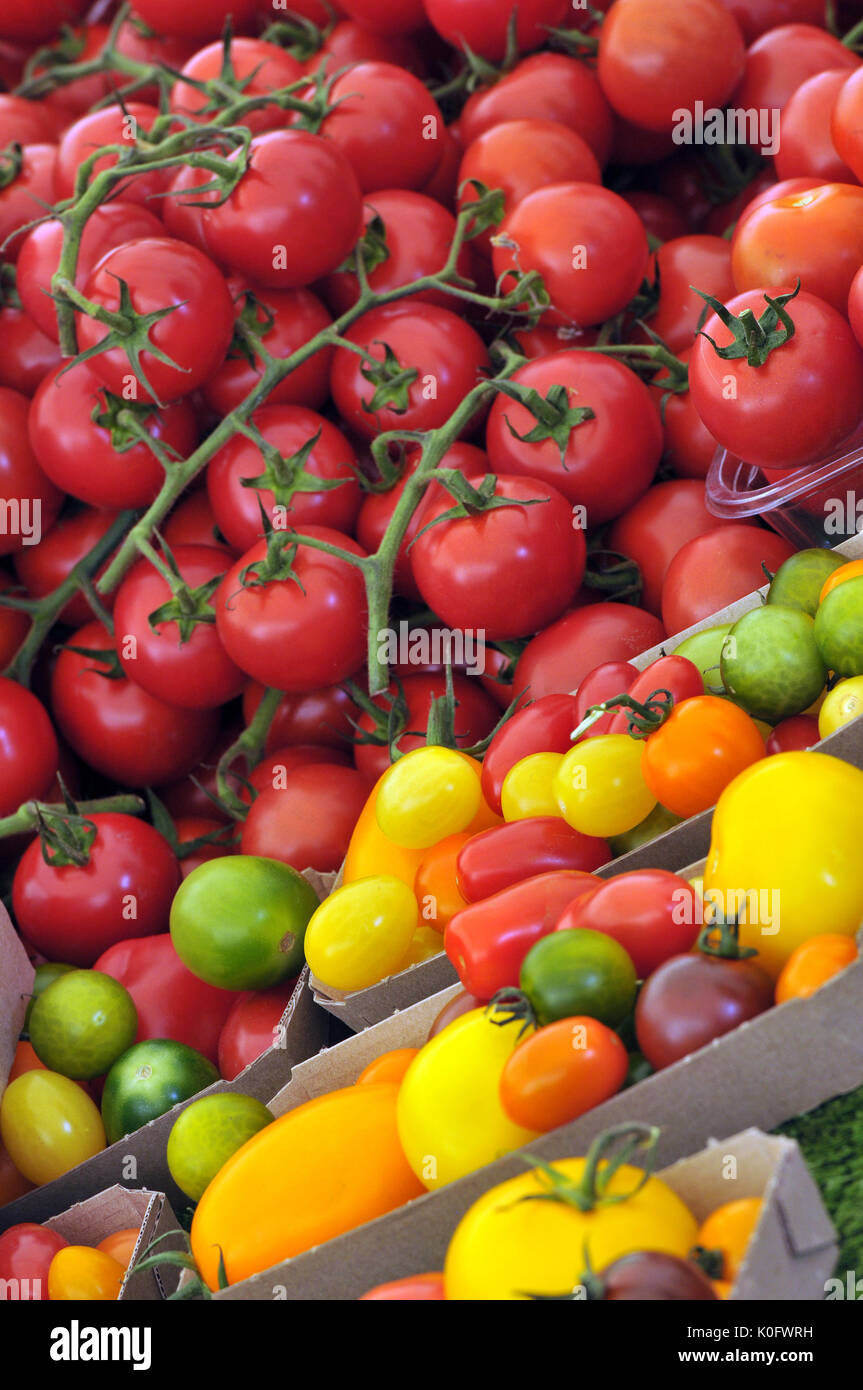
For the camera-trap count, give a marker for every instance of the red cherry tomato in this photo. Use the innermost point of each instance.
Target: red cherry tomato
(548, 86)
(308, 822)
(28, 748)
(559, 658)
(794, 735)
(716, 569)
(544, 726)
(251, 1027)
(507, 854)
(26, 1252)
(651, 913)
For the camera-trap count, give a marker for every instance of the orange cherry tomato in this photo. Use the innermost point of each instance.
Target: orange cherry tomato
(371, 853)
(561, 1071)
(852, 570)
(435, 885)
(121, 1245)
(814, 962)
(26, 1060)
(79, 1273)
(721, 1287)
(729, 1230)
(390, 1067)
(702, 746)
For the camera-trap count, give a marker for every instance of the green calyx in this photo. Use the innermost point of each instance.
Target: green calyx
(555, 417)
(754, 338)
(602, 1163)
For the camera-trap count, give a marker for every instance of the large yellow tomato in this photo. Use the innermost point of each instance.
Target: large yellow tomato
(49, 1125)
(788, 835)
(450, 1118)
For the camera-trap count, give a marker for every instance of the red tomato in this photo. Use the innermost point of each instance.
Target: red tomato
(159, 272)
(112, 125)
(190, 828)
(293, 635)
(716, 569)
(660, 216)
(651, 913)
(293, 217)
(14, 625)
(192, 522)
(252, 1026)
(24, 122)
(559, 658)
(349, 43)
(783, 59)
(656, 527)
(814, 236)
(189, 669)
(689, 446)
(171, 1001)
(483, 24)
(505, 855)
(294, 317)
(28, 748)
(272, 772)
(794, 735)
(26, 189)
(24, 22)
(704, 261)
(806, 148)
(124, 890)
(26, 355)
(115, 726)
(845, 122)
(31, 499)
(444, 351)
(589, 246)
(82, 93)
(425, 1288)
(258, 68)
(609, 460)
(42, 568)
(307, 447)
(604, 682)
(387, 124)
(475, 716)
(723, 218)
(755, 17)
(307, 823)
(479, 571)
(548, 86)
(192, 795)
(311, 716)
(675, 674)
(26, 1252)
(387, 16)
(198, 19)
(657, 57)
(544, 726)
(99, 460)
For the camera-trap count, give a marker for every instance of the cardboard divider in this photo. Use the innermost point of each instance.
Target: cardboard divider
(16, 986)
(116, 1209)
(791, 1254)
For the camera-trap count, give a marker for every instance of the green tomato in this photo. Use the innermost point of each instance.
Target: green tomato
(839, 628)
(799, 581)
(148, 1081)
(240, 922)
(209, 1132)
(659, 820)
(577, 971)
(704, 649)
(771, 664)
(82, 1023)
(45, 975)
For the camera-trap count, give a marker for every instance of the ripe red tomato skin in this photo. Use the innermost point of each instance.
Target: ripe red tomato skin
(267, 65)
(794, 735)
(507, 854)
(542, 727)
(550, 86)
(108, 127)
(171, 1001)
(24, 199)
(202, 20)
(387, 124)
(559, 658)
(651, 913)
(695, 259)
(692, 999)
(42, 568)
(604, 682)
(656, 527)
(807, 148)
(420, 1288)
(14, 625)
(25, 23)
(28, 747)
(21, 478)
(251, 1027)
(74, 914)
(674, 673)
(190, 828)
(757, 17)
(26, 354)
(783, 59)
(488, 940)
(814, 236)
(716, 569)
(308, 823)
(321, 716)
(482, 24)
(26, 1252)
(475, 717)
(298, 316)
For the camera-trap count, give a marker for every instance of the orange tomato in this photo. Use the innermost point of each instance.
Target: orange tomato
(390, 1067)
(852, 570)
(371, 853)
(121, 1245)
(729, 1230)
(79, 1273)
(702, 746)
(814, 962)
(561, 1071)
(26, 1060)
(721, 1287)
(435, 885)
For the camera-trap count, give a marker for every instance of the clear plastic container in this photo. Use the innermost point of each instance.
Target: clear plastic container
(821, 505)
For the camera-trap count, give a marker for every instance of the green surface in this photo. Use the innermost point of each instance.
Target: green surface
(831, 1139)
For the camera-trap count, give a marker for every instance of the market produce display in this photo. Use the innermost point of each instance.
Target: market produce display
(368, 371)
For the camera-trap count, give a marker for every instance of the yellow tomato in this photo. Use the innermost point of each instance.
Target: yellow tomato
(49, 1125)
(425, 943)
(361, 933)
(600, 787)
(370, 852)
(853, 570)
(427, 795)
(787, 833)
(841, 706)
(450, 1118)
(79, 1273)
(528, 787)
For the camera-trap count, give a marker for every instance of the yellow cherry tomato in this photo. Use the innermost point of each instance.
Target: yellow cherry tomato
(729, 1230)
(361, 933)
(852, 570)
(427, 795)
(843, 704)
(507, 1247)
(528, 787)
(600, 787)
(49, 1125)
(370, 852)
(425, 943)
(450, 1118)
(79, 1273)
(389, 1067)
(786, 848)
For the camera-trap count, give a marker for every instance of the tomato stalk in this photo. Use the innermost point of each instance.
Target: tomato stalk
(643, 717)
(727, 945)
(601, 1165)
(249, 745)
(33, 813)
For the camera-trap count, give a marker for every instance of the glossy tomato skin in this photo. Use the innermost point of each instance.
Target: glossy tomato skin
(425, 1288)
(75, 913)
(190, 828)
(479, 571)
(654, 1276)
(482, 24)
(202, 19)
(784, 58)
(195, 673)
(807, 148)
(756, 17)
(660, 216)
(675, 675)
(273, 770)
(91, 461)
(116, 727)
(544, 726)
(604, 682)
(26, 1252)
(700, 260)
(26, 354)
(656, 527)
(321, 716)
(794, 734)
(251, 1027)
(33, 501)
(813, 236)
(703, 745)
(25, 23)
(505, 855)
(289, 429)
(259, 68)
(14, 625)
(716, 569)
(434, 342)
(387, 124)
(550, 86)
(308, 822)
(651, 913)
(475, 716)
(607, 465)
(294, 638)
(559, 658)
(692, 999)
(28, 747)
(284, 240)
(42, 568)
(690, 448)
(170, 1000)
(109, 127)
(24, 198)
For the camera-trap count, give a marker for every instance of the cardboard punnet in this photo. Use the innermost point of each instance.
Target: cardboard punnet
(790, 1256)
(140, 1158)
(116, 1209)
(682, 844)
(16, 986)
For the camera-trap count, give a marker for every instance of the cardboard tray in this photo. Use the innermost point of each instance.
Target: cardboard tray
(115, 1209)
(792, 1253)
(16, 986)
